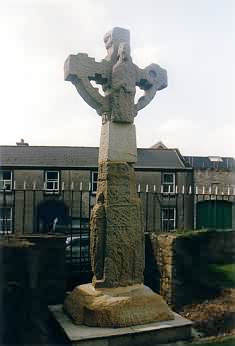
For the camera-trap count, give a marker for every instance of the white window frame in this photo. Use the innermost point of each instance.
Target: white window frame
(168, 220)
(5, 184)
(6, 220)
(166, 186)
(94, 182)
(215, 158)
(55, 182)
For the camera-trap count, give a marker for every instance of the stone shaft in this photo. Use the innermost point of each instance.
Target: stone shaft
(117, 237)
(118, 142)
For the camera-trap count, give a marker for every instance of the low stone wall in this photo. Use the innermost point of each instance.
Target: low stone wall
(38, 261)
(182, 259)
(47, 266)
(14, 289)
(32, 276)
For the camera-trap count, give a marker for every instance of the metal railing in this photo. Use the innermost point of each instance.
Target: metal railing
(39, 210)
(25, 211)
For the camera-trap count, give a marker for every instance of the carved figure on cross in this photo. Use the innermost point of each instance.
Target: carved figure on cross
(118, 76)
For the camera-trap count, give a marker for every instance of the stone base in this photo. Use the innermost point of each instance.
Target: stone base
(148, 334)
(116, 307)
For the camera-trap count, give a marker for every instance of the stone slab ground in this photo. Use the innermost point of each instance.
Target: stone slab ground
(147, 334)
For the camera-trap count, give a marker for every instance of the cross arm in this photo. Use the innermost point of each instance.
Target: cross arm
(151, 79)
(80, 70)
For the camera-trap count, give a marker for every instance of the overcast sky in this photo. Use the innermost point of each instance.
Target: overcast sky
(192, 39)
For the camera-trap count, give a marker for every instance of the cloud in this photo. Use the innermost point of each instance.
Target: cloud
(193, 113)
(173, 132)
(191, 138)
(36, 38)
(150, 53)
(50, 27)
(225, 145)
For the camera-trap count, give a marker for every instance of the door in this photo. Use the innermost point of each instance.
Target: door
(214, 214)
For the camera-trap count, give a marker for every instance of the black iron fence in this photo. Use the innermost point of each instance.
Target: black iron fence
(34, 210)
(41, 211)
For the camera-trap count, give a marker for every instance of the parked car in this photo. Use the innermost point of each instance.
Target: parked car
(77, 249)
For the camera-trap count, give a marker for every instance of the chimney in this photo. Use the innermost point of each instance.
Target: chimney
(22, 143)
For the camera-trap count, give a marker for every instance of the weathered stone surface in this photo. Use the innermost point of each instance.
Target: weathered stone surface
(116, 307)
(118, 142)
(124, 76)
(118, 76)
(182, 262)
(112, 40)
(116, 296)
(98, 238)
(117, 236)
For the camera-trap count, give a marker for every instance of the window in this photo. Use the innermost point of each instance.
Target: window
(168, 182)
(52, 181)
(94, 180)
(215, 158)
(168, 219)
(6, 180)
(5, 220)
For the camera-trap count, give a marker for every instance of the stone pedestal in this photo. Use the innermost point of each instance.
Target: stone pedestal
(116, 307)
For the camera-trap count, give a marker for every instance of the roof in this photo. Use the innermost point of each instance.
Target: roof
(209, 162)
(83, 157)
(159, 145)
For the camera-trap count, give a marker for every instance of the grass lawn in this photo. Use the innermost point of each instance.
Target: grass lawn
(224, 274)
(228, 341)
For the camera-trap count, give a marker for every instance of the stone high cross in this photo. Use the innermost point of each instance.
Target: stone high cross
(117, 213)
(116, 204)
(117, 235)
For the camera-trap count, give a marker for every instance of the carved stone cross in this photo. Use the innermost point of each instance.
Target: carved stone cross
(117, 214)
(117, 296)
(118, 76)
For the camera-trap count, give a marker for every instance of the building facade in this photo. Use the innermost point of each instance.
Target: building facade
(214, 186)
(49, 188)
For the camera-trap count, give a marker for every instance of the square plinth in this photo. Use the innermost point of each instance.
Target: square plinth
(146, 334)
(118, 143)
